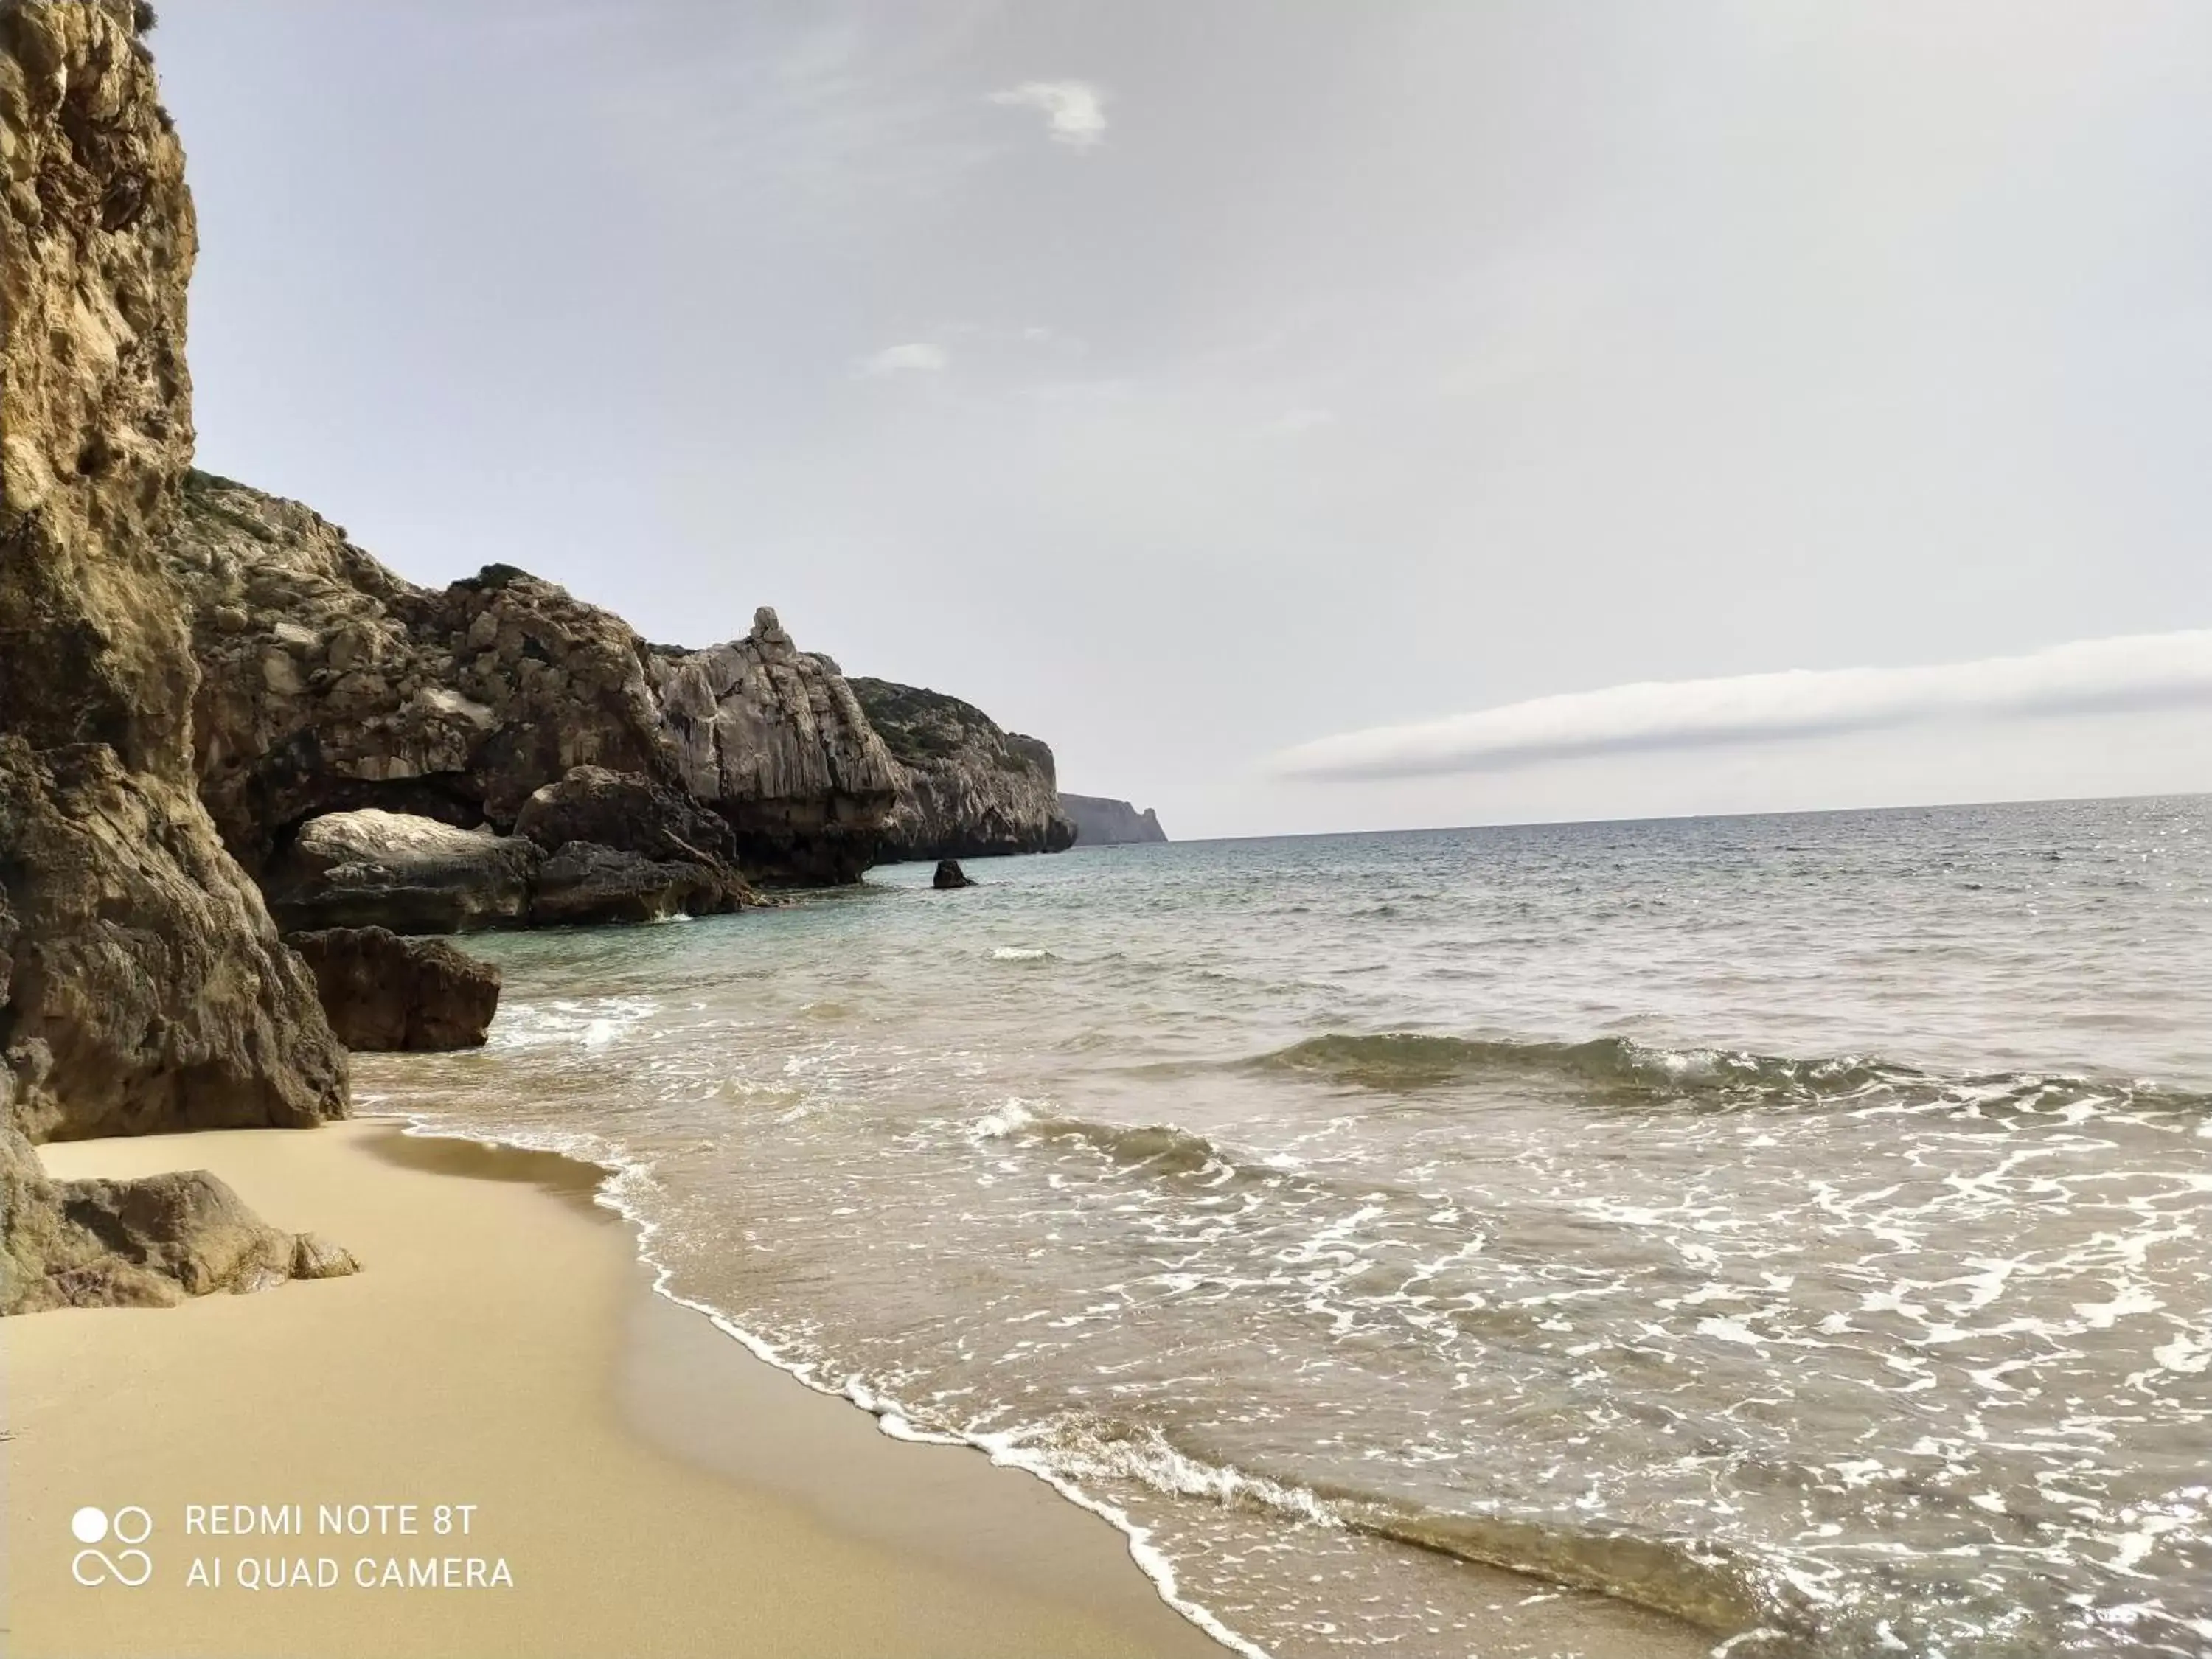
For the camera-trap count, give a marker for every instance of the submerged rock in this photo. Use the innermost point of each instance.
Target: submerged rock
(372, 868)
(147, 1243)
(949, 875)
(329, 684)
(968, 788)
(1100, 821)
(384, 993)
(141, 984)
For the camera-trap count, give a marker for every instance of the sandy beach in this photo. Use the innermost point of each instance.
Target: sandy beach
(638, 1483)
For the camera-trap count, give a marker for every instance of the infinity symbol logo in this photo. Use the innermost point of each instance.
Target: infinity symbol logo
(128, 1567)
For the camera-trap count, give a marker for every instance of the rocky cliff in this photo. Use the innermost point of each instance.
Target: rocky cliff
(1100, 821)
(329, 685)
(141, 984)
(968, 789)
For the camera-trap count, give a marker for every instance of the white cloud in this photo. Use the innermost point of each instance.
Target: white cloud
(2140, 672)
(1075, 110)
(917, 356)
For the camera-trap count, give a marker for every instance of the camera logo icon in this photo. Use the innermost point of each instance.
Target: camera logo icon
(128, 1566)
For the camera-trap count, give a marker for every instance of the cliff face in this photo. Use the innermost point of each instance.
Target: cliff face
(968, 789)
(141, 984)
(1100, 821)
(330, 685)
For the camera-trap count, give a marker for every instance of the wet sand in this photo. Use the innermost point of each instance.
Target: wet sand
(651, 1487)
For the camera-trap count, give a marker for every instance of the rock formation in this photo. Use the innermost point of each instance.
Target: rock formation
(372, 868)
(968, 789)
(386, 993)
(1103, 823)
(593, 846)
(951, 876)
(148, 1242)
(329, 684)
(141, 984)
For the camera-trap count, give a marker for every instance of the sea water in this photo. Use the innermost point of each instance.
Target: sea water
(1800, 1225)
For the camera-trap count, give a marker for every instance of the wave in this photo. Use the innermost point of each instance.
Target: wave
(1700, 1584)
(1614, 1067)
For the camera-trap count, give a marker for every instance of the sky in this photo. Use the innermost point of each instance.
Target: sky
(1303, 416)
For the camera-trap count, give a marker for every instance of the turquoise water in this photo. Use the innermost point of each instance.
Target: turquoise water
(1796, 1223)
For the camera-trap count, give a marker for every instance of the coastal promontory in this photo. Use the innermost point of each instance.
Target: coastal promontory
(332, 684)
(968, 788)
(1100, 821)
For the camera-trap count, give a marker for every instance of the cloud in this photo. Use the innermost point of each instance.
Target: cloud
(1075, 110)
(2140, 672)
(915, 356)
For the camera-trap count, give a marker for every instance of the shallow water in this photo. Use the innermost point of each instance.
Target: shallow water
(1796, 1223)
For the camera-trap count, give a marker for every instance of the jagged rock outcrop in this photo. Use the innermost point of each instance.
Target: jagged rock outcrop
(147, 1243)
(386, 993)
(329, 684)
(949, 875)
(141, 984)
(968, 789)
(1100, 821)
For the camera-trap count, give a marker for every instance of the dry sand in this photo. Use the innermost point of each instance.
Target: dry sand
(651, 1487)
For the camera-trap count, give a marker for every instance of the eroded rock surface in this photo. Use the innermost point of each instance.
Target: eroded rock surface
(331, 683)
(145, 988)
(384, 993)
(968, 788)
(147, 1243)
(372, 868)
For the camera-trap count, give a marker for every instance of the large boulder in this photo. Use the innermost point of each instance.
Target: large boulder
(968, 788)
(584, 883)
(383, 993)
(372, 868)
(147, 1243)
(146, 988)
(330, 684)
(625, 810)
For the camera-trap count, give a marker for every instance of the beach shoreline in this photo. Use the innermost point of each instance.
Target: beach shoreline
(629, 1479)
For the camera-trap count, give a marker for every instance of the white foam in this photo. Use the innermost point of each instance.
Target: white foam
(621, 1193)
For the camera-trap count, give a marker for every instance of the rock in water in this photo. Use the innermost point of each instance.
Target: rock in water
(584, 883)
(384, 993)
(413, 875)
(148, 1242)
(143, 986)
(968, 789)
(625, 848)
(330, 684)
(1100, 821)
(949, 875)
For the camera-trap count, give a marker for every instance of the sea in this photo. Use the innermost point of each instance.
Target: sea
(1801, 1225)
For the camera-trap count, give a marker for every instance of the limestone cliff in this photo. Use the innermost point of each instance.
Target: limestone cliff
(1100, 821)
(968, 789)
(330, 684)
(141, 984)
